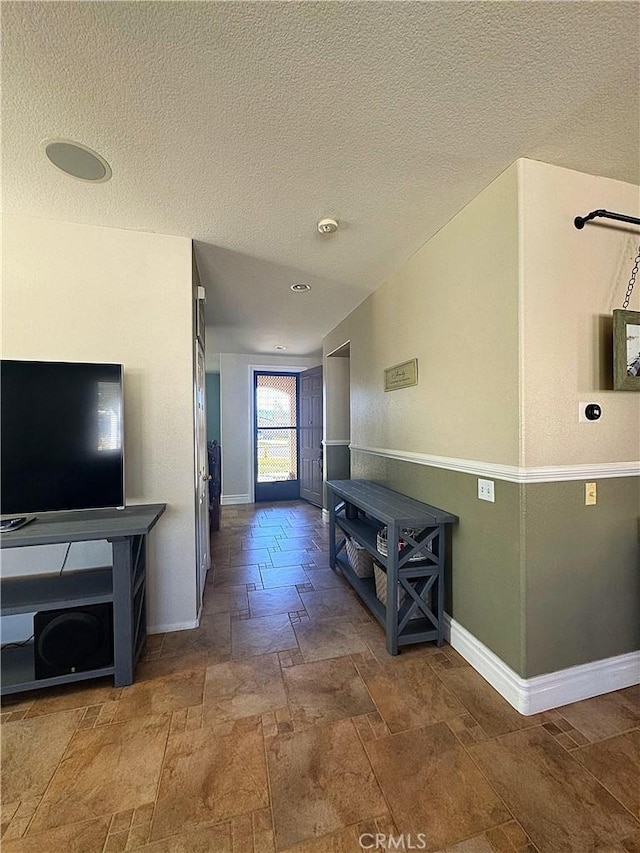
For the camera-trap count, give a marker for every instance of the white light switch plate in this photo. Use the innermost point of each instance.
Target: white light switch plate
(486, 491)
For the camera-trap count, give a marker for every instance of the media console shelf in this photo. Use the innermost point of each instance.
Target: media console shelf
(123, 584)
(415, 575)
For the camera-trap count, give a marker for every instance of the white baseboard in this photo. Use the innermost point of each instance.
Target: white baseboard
(229, 500)
(173, 626)
(544, 692)
(325, 516)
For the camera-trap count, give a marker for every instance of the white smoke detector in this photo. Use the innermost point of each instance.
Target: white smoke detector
(327, 226)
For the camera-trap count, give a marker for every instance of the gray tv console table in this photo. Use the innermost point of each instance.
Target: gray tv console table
(360, 508)
(123, 584)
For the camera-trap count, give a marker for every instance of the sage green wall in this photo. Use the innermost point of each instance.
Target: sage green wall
(483, 579)
(582, 573)
(337, 465)
(337, 462)
(582, 580)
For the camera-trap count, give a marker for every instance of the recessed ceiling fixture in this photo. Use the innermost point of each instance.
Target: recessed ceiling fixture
(327, 226)
(280, 347)
(300, 288)
(77, 160)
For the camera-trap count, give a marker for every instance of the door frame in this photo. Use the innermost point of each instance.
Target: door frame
(201, 485)
(281, 491)
(252, 370)
(337, 397)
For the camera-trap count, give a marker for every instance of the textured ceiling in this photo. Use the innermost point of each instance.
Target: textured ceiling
(241, 124)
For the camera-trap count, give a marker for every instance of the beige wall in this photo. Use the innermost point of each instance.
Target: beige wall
(571, 282)
(581, 562)
(336, 399)
(85, 293)
(508, 310)
(236, 417)
(453, 306)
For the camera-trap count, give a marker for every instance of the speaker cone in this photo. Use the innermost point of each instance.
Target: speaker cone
(77, 639)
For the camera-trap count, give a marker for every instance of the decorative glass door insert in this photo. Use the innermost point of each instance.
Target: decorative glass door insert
(276, 436)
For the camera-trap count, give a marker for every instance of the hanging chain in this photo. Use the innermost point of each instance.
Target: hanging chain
(632, 281)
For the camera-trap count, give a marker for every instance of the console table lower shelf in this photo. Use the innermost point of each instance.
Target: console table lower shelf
(18, 672)
(117, 592)
(417, 629)
(359, 509)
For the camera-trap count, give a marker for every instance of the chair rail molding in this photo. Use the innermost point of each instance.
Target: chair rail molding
(510, 473)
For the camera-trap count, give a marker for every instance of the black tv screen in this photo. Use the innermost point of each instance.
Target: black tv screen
(60, 436)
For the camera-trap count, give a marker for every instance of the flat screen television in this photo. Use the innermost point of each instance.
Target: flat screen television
(61, 437)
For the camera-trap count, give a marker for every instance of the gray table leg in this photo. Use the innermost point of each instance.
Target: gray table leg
(332, 528)
(392, 589)
(123, 611)
(441, 563)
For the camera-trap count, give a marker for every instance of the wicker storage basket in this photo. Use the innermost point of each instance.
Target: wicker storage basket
(382, 545)
(360, 559)
(380, 577)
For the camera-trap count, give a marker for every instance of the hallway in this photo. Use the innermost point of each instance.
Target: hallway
(282, 724)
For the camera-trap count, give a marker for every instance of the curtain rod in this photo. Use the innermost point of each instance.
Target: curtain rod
(579, 221)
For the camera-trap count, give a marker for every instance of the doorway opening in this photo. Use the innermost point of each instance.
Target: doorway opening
(338, 402)
(276, 436)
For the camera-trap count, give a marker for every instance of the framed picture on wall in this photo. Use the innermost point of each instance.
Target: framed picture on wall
(401, 375)
(626, 350)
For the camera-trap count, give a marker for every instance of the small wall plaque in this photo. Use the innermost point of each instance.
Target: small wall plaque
(401, 375)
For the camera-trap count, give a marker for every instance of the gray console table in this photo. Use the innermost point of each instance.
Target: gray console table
(360, 508)
(123, 584)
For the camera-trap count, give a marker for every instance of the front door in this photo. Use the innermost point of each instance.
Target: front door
(276, 437)
(311, 473)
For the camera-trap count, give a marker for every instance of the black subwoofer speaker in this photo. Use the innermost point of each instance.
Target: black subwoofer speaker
(73, 640)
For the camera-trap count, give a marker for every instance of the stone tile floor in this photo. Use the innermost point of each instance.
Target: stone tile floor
(281, 724)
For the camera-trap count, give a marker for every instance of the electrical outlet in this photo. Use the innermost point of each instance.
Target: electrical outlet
(486, 491)
(590, 494)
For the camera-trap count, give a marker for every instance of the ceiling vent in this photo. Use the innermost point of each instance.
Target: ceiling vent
(77, 160)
